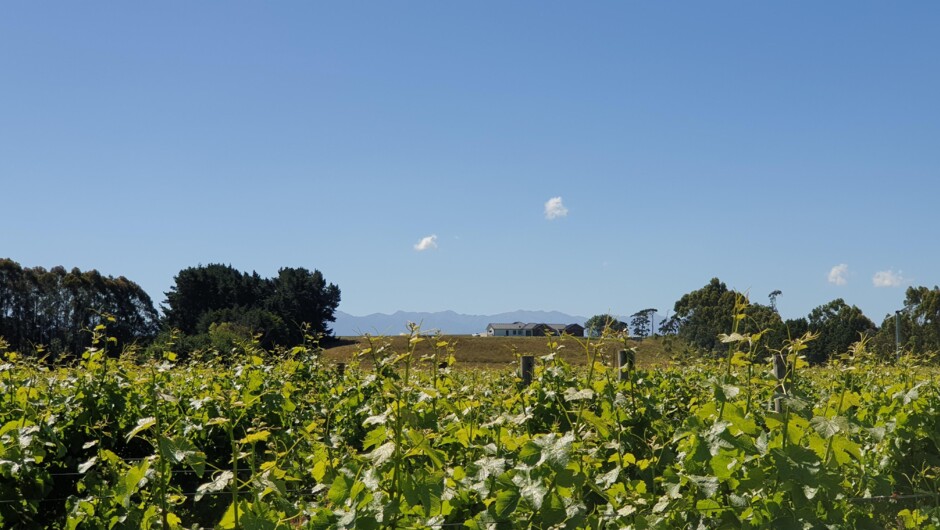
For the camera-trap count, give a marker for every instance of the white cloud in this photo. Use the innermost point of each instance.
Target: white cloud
(555, 209)
(426, 243)
(837, 274)
(887, 278)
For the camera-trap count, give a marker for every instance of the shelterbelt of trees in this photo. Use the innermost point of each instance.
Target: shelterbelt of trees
(52, 313)
(702, 316)
(54, 308)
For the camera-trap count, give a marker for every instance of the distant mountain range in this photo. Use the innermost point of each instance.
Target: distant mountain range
(448, 322)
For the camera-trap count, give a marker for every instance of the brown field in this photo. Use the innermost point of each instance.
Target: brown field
(502, 352)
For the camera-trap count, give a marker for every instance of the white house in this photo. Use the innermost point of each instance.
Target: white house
(516, 329)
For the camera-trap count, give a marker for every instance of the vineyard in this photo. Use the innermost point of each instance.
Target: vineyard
(257, 439)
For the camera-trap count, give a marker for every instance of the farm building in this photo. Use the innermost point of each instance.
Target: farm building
(533, 329)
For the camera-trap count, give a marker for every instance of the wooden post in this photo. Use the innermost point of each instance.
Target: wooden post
(626, 360)
(341, 369)
(897, 334)
(526, 369)
(780, 372)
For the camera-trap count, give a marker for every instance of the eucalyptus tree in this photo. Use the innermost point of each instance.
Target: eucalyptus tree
(701, 316)
(642, 322)
(839, 325)
(773, 298)
(57, 310)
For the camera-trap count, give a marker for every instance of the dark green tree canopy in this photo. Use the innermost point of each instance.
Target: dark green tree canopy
(920, 323)
(274, 307)
(597, 325)
(839, 325)
(57, 309)
(922, 309)
(702, 315)
(300, 296)
(203, 289)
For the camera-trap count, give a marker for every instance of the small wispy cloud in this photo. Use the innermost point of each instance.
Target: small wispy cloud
(837, 274)
(555, 209)
(887, 278)
(426, 243)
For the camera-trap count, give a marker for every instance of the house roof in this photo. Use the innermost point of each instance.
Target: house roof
(514, 325)
(530, 326)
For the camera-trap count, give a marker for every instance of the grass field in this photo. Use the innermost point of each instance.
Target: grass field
(502, 352)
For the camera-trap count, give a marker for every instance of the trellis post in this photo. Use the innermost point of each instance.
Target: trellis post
(526, 369)
(780, 372)
(626, 361)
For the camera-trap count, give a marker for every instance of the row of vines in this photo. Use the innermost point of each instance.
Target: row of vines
(395, 441)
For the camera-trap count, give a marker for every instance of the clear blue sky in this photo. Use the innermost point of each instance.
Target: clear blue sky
(763, 144)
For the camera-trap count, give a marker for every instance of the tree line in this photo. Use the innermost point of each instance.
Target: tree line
(215, 306)
(55, 312)
(55, 308)
(701, 316)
